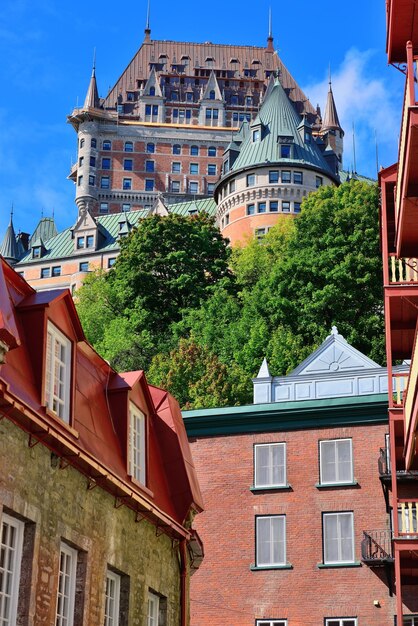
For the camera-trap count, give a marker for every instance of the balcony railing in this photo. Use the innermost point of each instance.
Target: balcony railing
(376, 547)
(399, 385)
(403, 270)
(385, 468)
(408, 518)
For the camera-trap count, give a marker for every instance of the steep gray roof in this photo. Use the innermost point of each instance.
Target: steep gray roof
(9, 248)
(279, 119)
(46, 229)
(331, 120)
(92, 97)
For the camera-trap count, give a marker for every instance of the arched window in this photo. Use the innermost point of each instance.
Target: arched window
(212, 95)
(152, 91)
(81, 143)
(129, 146)
(93, 143)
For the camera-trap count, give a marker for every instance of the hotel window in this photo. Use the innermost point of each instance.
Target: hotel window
(210, 188)
(127, 183)
(105, 182)
(250, 180)
(232, 186)
(80, 181)
(176, 149)
(58, 373)
(136, 460)
(285, 206)
(194, 168)
(45, 272)
(211, 151)
(149, 184)
(286, 176)
(336, 461)
(129, 146)
(271, 622)
(285, 151)
(66, 586)
(80, 243)
(56, 270)
(256, 135)
(338, 538)
(274, 206)
(106, 163)
(150, 148)
(111, 262)
(273, 176)
(270, 465)
(193, 187)
(343, 621)
(175, 186)
(81, 161)
(194, 150)
(93, 161)
(83, 266)
(107, 145)
(296, 207)
(92, 180)
(11, 546)
(150, 166)
(112, 599)
(130, 96)
(176, 167)
(152, 91)
(212, 114)
(104, 207)
(318, 181)
(270, 540)
(211, 169)
(262, 207)
(189, 96)
(298, 178)
(250, 209)
(36, 252)
(128, 164)
(126, 206)
(90, 241)
(81, 143)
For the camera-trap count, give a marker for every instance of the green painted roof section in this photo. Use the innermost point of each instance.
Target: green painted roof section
(46, 229)
(345, 176)
(185, 208)
(283, 416)
(62, 245)
(279, 118)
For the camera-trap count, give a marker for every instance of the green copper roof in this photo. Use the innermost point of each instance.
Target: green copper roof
(62, 245)
(280, 123)
(46, 229)
(281, 416)
(186, 208)
(345, 176)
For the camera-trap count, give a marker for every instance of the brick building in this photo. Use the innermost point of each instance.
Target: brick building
(399, 237)
(97, 486)
(296, 527)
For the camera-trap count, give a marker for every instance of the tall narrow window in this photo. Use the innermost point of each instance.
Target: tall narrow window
(112, 599)
(58, 373)
(336, 461)
(153, 609)
(11, 543)
(66, 586)
(137, 444)
(338, 536)
(270, 540)
(270, 465)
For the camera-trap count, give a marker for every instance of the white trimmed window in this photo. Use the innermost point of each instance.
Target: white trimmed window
(270, 465)
(153, 609)
(66, 586)
(336, 461)
(112, 599)
(137, 444)
(338, 537)
(270, 540)
(10, 559)
(271, 622)
(58, 373)
(341, 621)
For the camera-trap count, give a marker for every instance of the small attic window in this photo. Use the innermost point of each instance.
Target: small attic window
(212, 94)
(285, 151)
(255, 62)
(256, 134)
(36, 252)
(234, 60)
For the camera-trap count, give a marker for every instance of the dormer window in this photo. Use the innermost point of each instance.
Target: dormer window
(36, 252)
(136, 445)
(58, 373)
(285, 151)
(256, 134)
(212, 94)
(152, 91)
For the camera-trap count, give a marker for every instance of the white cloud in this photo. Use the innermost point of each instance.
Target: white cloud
(371, 102)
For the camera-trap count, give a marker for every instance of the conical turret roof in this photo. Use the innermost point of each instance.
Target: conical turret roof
(92, 97)
(331, 121)
(9, 248)
(279, 123)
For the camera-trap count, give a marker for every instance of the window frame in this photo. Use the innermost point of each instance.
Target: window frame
(112, 602)
(271, 622)
(340, 620)
(271, 484)
(271, 563)
(16, 551)
(66, 619)
(128, 165)
(57, 335)
(153, 610)
(321, 444)
(137, 471)
(339, 561)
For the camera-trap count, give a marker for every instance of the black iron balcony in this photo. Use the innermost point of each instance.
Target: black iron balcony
(385, 469)
(376, 547)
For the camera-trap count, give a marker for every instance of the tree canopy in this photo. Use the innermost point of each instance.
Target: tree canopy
(200, 318)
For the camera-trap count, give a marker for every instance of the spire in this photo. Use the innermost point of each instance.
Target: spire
(147, 31)
(92, 97)
(9, 249)
(331, 120)
(270, 47)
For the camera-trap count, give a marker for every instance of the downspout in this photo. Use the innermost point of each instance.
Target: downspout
(183, 584)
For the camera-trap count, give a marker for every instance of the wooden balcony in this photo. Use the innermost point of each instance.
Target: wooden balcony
(408, 518)
(402, 26)
(403, 271)
(406, 194)
(410, 407)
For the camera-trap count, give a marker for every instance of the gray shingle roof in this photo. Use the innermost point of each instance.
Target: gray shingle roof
(9, 248)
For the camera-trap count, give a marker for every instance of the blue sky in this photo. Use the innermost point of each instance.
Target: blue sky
(47, 46)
